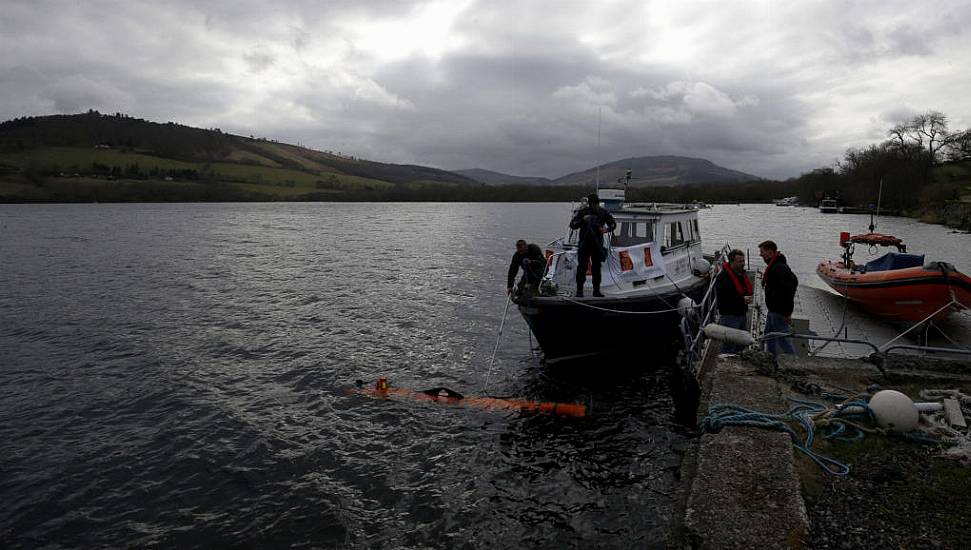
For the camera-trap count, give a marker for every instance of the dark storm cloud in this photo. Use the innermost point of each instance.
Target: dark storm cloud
(768, 88)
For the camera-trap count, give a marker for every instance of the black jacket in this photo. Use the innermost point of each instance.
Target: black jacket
(590, 240)
(533, 263)
(780, 286)
(730, 302)
(514, 264)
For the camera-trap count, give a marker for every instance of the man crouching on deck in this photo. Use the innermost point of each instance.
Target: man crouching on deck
(593, 221)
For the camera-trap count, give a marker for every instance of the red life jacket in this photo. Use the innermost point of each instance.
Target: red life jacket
(747, 291)
(765, 274)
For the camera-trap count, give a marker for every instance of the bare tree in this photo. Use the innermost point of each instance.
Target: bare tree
(925, 131)
(933, 126)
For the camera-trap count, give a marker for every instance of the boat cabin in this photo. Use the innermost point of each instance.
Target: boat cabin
(654, 244)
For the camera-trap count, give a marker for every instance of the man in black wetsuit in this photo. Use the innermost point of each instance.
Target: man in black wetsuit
(515, 264)
(530, 258)
(593, 221)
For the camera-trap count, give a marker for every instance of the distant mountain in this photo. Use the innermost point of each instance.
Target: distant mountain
(657, 171)
(489, 177)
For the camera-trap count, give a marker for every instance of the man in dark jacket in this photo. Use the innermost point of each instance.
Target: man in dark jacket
(779, 284)
(531, 260)
(593, 221)
(734, 292)
(515, 264)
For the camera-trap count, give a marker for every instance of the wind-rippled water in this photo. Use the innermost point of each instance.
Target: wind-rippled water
(177, 375)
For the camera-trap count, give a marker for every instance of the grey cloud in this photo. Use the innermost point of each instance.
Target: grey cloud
(521, 93)
(259, 58)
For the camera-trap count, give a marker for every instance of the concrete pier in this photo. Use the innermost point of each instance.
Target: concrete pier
(745, 489)
(745, 492)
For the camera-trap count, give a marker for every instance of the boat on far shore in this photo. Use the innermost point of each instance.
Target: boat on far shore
(828, 206)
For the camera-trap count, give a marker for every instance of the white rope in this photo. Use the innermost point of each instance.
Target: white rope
(620, 310)
(498, 339)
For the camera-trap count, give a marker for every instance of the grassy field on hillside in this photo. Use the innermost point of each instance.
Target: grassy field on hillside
(283, 182)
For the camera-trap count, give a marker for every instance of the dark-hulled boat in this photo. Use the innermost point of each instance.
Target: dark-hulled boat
(654, 262)
(897, 286)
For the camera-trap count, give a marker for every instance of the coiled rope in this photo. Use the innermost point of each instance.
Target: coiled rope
(844, 421)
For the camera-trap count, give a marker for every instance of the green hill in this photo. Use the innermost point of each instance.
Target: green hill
(116, 157)
(659, 171)
(489, 177)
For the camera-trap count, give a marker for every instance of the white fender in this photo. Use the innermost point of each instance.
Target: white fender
(730, 335)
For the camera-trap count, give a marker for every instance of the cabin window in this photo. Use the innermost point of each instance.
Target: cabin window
(631, 233)
(697, 232)
(673, 234)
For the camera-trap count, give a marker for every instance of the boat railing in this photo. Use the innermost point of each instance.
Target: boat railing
(694, 336)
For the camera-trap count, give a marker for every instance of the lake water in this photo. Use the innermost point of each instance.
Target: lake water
(177, 375)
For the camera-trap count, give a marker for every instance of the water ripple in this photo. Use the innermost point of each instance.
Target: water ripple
(178, 375)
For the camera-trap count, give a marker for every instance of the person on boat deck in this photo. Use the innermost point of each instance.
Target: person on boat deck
(734, 291)
(515, 264)
(593, 221)
(529, 258)
(779, 286)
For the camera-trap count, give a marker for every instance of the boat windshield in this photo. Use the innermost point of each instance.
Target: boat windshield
(633, 232)
(681, 232)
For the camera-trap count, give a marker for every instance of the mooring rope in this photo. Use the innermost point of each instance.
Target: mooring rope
(492, 361)
(591, 306)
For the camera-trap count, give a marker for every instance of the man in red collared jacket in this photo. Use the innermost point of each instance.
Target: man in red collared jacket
(734, 291)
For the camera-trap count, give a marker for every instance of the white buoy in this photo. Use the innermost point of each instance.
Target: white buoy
(700, 266)
(894, 411)
(730, 335)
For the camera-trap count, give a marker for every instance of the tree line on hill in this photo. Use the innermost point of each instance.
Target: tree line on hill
(918, 166)
(911, 166)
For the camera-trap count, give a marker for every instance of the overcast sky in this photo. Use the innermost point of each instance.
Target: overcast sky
(773, 88)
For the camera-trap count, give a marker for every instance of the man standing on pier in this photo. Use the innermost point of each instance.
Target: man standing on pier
(779, 286)
(593, 221)
(734, 291)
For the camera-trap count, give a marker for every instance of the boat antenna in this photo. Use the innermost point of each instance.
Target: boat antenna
(879, 198)
(600, 115)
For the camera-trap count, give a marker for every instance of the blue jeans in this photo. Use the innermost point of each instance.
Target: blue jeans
(731, 321)
(776, 322)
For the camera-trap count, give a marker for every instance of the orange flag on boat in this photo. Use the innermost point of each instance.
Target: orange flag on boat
(626, 264)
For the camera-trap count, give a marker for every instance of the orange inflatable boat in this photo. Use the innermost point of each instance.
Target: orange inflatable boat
(897, 285)
(446, 396)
